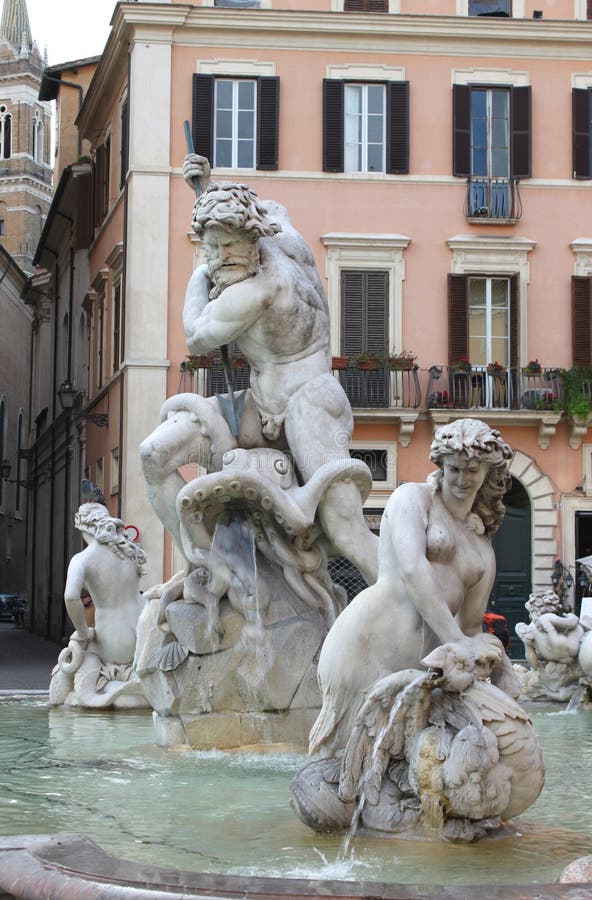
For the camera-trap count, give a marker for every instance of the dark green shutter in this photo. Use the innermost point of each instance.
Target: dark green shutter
(581, 320)
(333, 93)
(124, 145)
(581, 132)
(397, 111)
(365, 6)
(520, 117)
(461, 130)
(203, 116)
(268, 105)
(364, 326)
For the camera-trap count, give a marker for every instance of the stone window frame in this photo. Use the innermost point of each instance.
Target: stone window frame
(381, 490)
(114, 471)
(518, 9)
(365, 252)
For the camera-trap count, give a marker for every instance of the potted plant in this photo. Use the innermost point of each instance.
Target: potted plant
(192, 363)
(369, 360)
(532, 368)
(339, 362)
(402, 362)
(463, 364)
(496, 369)
(239, 361)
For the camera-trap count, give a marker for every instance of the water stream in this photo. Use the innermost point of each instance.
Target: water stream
(99, 774)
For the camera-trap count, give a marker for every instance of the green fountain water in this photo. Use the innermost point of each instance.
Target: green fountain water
(99, 774)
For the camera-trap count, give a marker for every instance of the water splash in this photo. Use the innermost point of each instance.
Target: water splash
(377, 750)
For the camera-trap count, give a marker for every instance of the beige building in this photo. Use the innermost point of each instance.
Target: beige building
(435, 154)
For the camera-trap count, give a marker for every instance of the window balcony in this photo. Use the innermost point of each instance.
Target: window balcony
(381, 388)
(493, 200)
(481, 388)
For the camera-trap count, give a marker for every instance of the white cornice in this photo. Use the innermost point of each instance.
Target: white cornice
(470, 243)
(373, 241)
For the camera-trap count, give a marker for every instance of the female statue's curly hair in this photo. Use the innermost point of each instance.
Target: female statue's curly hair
(95, 518)
(477, 440)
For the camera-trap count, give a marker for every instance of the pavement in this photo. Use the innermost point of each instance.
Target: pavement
(26, 660)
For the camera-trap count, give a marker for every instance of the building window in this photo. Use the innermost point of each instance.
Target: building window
(2, 232)
(239, 4)
(375, 459)
(483, 323)
(116, 326)
(492, 146)
(589, 9)
(100, 342)
(582, 128)
(114, 471)
(38, 135)
(581, 298)
(124, 143)
(365, 126)
(235, 121)
(19, 462)
(364, 327)
(234, 124)
(489, 321)
(494, 8)
(5, 133)
(365, 6)
(99, 475)
(101, 177)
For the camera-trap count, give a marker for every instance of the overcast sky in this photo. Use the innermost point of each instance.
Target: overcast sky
(70, 29)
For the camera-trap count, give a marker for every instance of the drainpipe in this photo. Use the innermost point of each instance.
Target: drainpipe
(53, 442)
(123, 305)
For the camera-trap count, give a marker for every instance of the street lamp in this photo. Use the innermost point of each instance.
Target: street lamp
(68, 395)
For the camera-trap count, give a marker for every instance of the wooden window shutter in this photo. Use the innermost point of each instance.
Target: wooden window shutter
(458, 318)
(364, 326)
(397, 118)
(98, 173)
(589, 9)
(581, 295)
(106, 178)
(514, 322)
(203, 116)
(461, 130)
(520, 117)
(333, 102)
(124, 143)
(268, 108)
(365, 6)
(580, 101)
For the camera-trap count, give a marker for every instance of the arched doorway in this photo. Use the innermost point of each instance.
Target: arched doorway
(512, 546)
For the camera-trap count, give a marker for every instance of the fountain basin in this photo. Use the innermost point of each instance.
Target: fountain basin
(228, 814)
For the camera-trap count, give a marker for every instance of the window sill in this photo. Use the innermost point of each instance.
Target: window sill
(485, 220)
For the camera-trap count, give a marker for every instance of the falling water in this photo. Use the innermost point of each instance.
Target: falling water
(233, 546)
(376, 750)
(577, 699)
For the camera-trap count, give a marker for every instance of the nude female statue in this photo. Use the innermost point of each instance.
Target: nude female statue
(435, 574)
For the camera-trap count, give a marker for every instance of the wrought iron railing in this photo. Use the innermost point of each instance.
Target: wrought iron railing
(493, 198)
(482, 387)
(381, 388)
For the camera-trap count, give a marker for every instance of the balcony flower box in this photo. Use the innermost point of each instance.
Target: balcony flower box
(463, 365)
(402, 362)
(204, 361)
(496, 370)
(339, 362)
(369, 360)
(532, 368)
(239, 361)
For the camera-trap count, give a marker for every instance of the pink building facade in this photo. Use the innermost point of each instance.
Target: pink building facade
(436, 156)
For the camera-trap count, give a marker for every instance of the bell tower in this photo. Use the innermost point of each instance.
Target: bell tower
(25, 133)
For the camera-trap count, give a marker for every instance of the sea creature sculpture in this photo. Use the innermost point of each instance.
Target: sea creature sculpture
(443, 750)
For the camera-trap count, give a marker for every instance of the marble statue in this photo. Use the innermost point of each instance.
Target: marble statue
(95, 670)
(436, 571)
(227, 648)
(443, 750)
(450, 749)
(558, 648)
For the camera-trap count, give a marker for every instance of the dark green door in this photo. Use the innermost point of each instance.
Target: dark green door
(512, 553)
